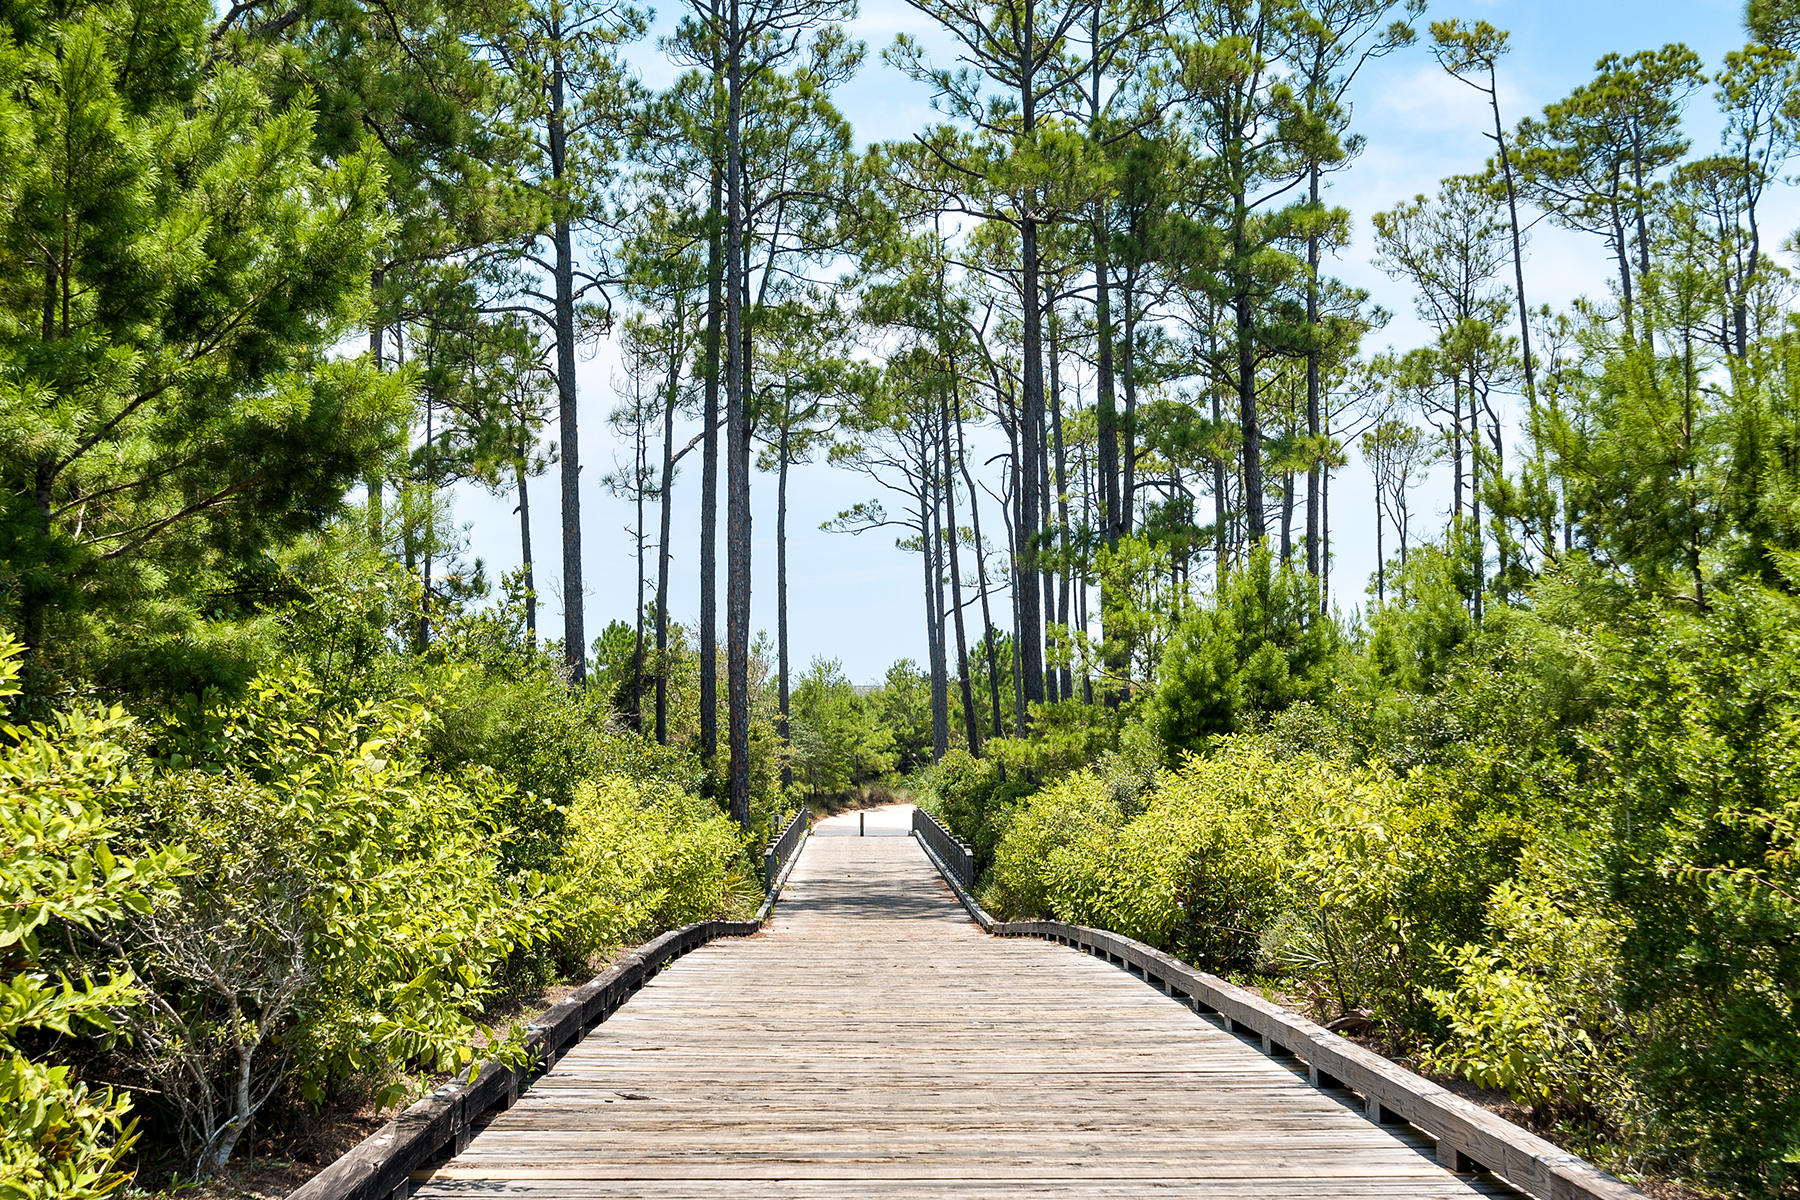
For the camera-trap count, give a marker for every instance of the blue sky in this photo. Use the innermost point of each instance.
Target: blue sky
(857, 599)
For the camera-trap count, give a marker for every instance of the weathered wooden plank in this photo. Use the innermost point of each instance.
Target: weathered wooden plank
(873, 1041)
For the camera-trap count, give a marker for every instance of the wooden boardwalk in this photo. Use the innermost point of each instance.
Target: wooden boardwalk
(873, 1042)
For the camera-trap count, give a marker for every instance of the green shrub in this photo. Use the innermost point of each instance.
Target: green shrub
(1535, 1005)
(971, 797)
(1343, 878)
(642, 857)
(59, 872)
(1073, 811)
(344, 914)
(1207, 855)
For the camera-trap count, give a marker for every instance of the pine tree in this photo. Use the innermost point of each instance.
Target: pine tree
(175, 268)
(569, 97)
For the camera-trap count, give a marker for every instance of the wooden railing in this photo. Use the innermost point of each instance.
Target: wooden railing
(1467, 1135)
(440, 1126)
(953, 857)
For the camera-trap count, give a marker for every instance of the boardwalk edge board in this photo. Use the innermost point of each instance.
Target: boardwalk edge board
(441, 1125)
(1467, 1135)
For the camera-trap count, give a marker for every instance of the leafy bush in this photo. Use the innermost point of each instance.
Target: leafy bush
(903, 713)
(970, 796)
(58, 869)
(343, 915)
(1075, 811)
(1534, 1008)
(644, 856)
(1196, 872)
(1343, 877)
(1560, 852)
(361, 885)
(520, 719)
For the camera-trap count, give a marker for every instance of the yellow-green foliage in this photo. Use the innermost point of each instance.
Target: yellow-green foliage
(349, 905)
(1535, 1008)
(1257, 857)
(1060, 821)
(58, 1137)
(645, 856)
(1203, 869)
(344, 913)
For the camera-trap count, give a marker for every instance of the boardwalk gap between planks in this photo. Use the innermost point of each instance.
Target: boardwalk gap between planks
(874, 1042)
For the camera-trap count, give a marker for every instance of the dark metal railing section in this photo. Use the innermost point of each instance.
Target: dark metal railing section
(781, 851)
(955, 856)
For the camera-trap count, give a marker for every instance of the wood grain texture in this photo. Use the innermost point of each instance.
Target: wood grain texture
(873, 1042)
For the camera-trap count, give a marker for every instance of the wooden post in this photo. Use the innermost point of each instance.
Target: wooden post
(1451, 1158)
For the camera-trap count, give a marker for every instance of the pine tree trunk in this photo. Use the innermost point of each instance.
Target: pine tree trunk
(520, 478)
(709, 480)
(574, 625)
(1084, 471)
(1518, 251)
(1314, 467)
(737, 447)
(1456, 452)
(1107, 419)
(1249, 422)
(1046, 538)
(643, 541)
(1105, 386)
(1128, 374)
(1030, 628)
(1220, 554)
(981, 582)
(422, 638)
(1380, 555)
(1325, 533)
(1475, 498)
(971, 730)
(781, 604)
(930, 520)
(664, 524)
(372, 482)
(1009, 517)
(1066, 686)
(1287, 517)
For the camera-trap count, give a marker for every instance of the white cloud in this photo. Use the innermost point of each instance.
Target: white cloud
(1426, 100)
